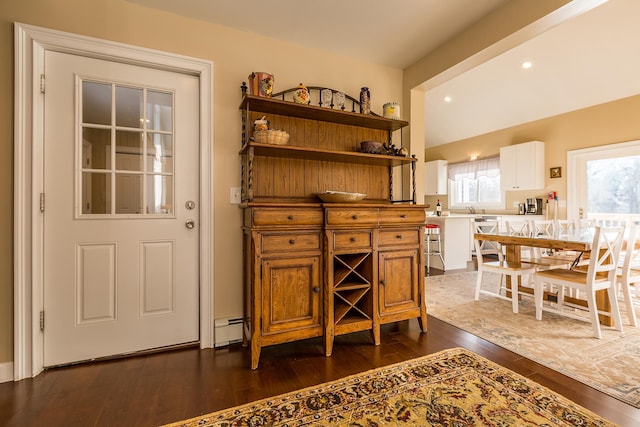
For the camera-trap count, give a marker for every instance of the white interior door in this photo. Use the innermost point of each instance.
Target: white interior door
(121, 185)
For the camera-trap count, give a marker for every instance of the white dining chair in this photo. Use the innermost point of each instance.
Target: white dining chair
(549, 258)
(520, 228)
(515, 270)
(600, 275)
(564, 226)
(488, 247)
(628, 273)
(531, 254)
(543, 227)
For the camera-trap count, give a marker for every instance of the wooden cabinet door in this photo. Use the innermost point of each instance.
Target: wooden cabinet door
(291, 297)
(398, 279)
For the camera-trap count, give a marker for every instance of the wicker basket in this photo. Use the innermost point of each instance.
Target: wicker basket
(276, 137)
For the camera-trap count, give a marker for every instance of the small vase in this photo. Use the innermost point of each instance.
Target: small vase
(301, 94)
(365, 101)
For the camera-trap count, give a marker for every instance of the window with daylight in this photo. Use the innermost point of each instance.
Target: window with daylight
(603, 183)
(476, 184)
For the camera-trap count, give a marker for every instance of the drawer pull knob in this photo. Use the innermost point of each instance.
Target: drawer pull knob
(382, 282)
(316, 289)
(403, 216)
(399, 236)
(291, 242)
(290, 217)
(353, 239)
(355, 217)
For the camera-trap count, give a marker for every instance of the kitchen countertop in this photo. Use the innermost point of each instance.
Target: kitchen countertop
(478, 215)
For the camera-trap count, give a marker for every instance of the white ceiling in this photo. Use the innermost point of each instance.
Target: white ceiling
(588, 60)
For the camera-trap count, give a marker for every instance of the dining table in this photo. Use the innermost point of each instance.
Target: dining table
(578, 241)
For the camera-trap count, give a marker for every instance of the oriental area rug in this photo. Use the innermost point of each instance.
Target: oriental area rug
(565, 345)
(453, 387)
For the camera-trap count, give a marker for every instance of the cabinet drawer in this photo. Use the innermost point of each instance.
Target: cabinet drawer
(352, 240)
(267, 216)
(352, 217)
(399, 237)
(402, 216)
(278, 242)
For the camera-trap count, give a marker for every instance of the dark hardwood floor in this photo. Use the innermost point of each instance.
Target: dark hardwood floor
(155, 389)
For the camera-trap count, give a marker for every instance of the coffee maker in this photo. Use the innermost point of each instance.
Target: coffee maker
(533, 206)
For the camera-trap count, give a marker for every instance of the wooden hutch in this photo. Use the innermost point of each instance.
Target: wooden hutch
(314, 269)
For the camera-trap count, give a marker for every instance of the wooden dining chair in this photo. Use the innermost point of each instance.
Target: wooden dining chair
(600, 275)
(515, 270)
(628, 273)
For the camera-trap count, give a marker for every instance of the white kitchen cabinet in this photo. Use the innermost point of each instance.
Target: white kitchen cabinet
(522, 166)
(435, 178)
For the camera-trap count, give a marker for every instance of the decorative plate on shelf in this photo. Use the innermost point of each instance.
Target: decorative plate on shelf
(340, 197)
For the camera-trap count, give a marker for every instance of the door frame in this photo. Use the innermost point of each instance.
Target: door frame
(30, 44)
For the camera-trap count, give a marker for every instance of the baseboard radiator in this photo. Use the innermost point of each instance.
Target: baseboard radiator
(228, 331)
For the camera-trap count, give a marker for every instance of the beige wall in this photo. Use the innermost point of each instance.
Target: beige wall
(234, 54)
(598, 125)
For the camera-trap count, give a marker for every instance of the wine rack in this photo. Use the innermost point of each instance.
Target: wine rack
(352, 290)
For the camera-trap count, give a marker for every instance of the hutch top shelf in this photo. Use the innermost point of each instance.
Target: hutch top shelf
(291, 109)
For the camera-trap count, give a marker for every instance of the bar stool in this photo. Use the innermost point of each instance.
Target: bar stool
(432, 244)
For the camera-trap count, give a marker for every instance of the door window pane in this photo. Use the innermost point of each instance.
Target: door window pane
(96, 148)
(129, 155)
(604, 183)
(160, 194)
(613, 186)
(159, 111)
(96, 103)
(128, 193)
(159, 152)
(129, 111)
(96, 193)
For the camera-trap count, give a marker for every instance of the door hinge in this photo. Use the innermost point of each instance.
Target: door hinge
(42, 321)
(41, 83)
(41, 202)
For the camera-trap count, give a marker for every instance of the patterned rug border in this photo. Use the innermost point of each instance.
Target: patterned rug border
(381, 371)
(540, 360)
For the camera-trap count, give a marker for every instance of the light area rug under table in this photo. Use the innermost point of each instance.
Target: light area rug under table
(610, 364)
(454, 387)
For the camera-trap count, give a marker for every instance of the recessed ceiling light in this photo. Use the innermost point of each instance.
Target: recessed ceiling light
(447, 98)
(527, 64)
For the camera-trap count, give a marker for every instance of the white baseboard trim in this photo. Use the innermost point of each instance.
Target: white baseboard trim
(6, 372)
(227, 331)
